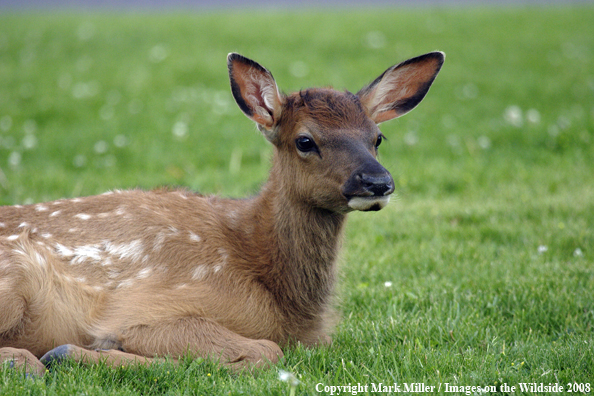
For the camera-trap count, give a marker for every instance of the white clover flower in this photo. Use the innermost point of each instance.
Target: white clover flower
(484, 142)
(120, 141)
(158, 53)
(14, 159)
(79, 160)
(180, 129)
(411, 138)
(299, 69)
(288, 377)
(101, 147)
(533, 116)
(29, 142)
(375, 40)
(6, 123)
(513, 115)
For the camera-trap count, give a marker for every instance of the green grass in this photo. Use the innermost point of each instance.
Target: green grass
(488, 248)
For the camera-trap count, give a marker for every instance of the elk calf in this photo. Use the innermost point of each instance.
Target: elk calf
(131, 275)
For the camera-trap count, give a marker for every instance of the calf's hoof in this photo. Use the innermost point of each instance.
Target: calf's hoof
(259, 354)
(58, 355)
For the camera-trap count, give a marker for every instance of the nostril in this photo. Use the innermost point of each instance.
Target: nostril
(370, 180)
(380, 189)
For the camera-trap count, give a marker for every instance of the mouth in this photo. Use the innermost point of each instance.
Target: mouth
(371, 203)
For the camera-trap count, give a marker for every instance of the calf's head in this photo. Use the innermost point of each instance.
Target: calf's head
(327, 141)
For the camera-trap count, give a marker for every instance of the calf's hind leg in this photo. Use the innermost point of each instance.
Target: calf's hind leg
(12, 303)
(12, 309)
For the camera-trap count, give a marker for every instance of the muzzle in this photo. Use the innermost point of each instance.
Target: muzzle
(369, 187)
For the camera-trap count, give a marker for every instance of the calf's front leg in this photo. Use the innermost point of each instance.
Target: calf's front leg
(202, 337)
(175, 338)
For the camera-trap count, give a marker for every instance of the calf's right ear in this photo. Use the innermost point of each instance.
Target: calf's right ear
(255, 92)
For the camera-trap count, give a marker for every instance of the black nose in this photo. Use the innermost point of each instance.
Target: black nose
(378, 184)
(369, 180)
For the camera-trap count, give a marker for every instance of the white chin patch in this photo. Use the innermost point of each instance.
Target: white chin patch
(368, 203)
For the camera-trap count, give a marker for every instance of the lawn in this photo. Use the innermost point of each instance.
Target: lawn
(480, 273)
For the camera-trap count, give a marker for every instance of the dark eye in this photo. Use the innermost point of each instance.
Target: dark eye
(306, 144)
(379, 141)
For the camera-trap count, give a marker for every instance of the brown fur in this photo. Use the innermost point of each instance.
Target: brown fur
(168, 272)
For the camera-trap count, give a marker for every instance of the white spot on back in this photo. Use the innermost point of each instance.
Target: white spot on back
(132, 250)
(19, 251)
(23, 224)
(194, 237)
(76, 200)
(217, 268)
(83, 216)
(12, 237)
(63, 250)
(144, 273)
(224, 256)
(200, 272)
(2, 225)
(113, 273)
(125, 283)
(40, 260)
(233, 214)
(40, 208)
(54, 214)
(103, 215)
(159, 241)
(83, 253)
(161, 236)
(3, 265)
(107, 193)
(46, 235)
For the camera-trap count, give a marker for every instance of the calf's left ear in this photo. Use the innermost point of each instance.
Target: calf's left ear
(401, 88)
